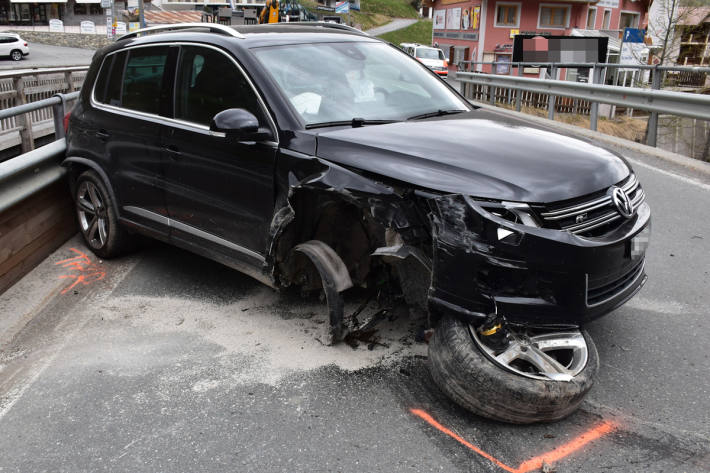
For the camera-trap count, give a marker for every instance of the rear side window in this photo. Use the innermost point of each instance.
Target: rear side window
(108, 83)
(208, 83)
(143, 79)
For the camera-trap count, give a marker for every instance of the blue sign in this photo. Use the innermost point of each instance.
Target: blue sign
(633, 35)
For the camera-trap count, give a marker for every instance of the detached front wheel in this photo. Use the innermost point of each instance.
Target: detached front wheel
(538, 377)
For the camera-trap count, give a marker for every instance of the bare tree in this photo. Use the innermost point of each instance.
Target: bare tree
(665, 17)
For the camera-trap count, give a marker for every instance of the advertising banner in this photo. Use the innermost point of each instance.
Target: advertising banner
(342, 7)
(439, 19)
(120, 28)
(453, 19)
(475, 17)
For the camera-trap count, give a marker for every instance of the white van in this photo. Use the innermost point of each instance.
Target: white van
(433, 58)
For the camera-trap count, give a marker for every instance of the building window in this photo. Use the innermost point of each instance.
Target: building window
(628, 20)
(606, 21)
(553, 16)
(591, 18)
(507, 15)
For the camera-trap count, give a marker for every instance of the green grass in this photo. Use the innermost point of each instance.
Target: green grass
(391, 8)
(373, 13)
(419, 32)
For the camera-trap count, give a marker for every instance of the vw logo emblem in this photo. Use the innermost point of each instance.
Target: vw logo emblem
(622, 202)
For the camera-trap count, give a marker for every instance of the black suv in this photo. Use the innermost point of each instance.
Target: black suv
(316, 157)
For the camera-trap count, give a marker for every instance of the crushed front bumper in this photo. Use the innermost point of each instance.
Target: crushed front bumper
(544, 277)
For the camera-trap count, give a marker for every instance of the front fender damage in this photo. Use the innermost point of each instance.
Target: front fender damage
(381, 231)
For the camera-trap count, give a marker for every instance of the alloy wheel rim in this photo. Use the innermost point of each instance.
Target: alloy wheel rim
(92, 214)
(557, 355)
(16, 55)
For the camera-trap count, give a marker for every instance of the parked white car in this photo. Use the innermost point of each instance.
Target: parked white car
(433, 58)
(11, 45)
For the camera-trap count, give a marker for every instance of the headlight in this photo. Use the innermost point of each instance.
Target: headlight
(514, 212)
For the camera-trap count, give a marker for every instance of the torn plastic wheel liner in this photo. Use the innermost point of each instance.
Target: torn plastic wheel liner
(335, 279)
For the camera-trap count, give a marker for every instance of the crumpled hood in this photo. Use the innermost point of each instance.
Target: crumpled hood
(479, 153)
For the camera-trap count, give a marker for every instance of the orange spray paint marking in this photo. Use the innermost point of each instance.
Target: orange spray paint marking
(534, 463)
(88, 271)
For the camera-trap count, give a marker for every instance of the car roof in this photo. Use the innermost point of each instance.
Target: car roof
(245, 36)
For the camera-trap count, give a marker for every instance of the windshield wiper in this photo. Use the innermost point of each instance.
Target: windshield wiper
(438, 113)
(355, 122)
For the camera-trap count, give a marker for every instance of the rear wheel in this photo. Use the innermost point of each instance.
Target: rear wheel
(16, 55)
(539, 377)
(97, 216)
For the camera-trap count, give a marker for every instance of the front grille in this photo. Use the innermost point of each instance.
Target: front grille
(609, 290)
(592, 215)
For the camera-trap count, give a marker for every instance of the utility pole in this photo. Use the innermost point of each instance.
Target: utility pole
(141, 16)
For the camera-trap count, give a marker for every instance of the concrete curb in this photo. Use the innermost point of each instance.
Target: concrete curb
(678, 159)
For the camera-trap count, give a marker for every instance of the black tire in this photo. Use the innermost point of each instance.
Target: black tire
(16, 55)
(473, 381)
(113, 240)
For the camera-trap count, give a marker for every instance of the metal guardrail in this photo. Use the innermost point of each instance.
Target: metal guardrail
(30, 172)
(655, 101)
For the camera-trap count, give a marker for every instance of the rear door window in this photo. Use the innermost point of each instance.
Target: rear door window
(143, 80)
(110, 78)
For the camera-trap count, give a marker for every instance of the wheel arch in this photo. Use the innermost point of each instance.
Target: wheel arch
(76, 165)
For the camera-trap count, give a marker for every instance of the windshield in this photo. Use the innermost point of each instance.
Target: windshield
(334, 82)
(429, 53)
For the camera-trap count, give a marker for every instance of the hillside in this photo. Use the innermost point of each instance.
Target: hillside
(373, 13)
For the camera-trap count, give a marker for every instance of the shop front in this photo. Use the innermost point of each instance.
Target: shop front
(38, 12)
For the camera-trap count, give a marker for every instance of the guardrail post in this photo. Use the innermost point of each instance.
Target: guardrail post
(551, 98)
(594, 106)
(652, 126)
(58, 111)
(519, 93)
(24, 121)
(70, 85)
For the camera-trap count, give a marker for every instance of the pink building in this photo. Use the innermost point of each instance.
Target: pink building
(483, 30)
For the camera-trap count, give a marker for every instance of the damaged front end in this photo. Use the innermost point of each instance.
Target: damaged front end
(340, 232)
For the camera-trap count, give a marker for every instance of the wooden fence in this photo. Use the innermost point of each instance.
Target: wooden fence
(17, 88)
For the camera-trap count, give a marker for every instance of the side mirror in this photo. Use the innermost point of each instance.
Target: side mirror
(239, 125)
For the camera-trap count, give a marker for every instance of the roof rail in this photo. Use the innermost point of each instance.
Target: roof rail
(323, 24)
(212, 27)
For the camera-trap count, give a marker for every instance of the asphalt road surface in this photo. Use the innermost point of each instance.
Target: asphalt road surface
(164, 361)
(45, 55)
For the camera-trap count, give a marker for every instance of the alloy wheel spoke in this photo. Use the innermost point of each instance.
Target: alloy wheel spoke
(85, 205)
(95, 199)
(509, 354)
(102, 230)
(559, 341)
(93, 227)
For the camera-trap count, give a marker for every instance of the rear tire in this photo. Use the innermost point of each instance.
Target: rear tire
(98, 219)
(473, 381)
(16, 55)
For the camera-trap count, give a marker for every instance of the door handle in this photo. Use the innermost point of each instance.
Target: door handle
(102, 135)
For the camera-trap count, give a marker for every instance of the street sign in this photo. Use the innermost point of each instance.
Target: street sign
(105, 3)
(633, 35)
(633, 50)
